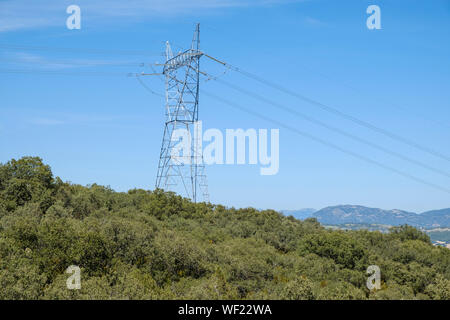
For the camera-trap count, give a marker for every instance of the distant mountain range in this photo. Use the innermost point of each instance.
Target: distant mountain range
(358, 215)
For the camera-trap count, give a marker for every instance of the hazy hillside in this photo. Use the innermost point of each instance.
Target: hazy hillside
(435, 218)
(155, 245)
(359, 214)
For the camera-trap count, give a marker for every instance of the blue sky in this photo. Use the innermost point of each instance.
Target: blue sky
(104, 127)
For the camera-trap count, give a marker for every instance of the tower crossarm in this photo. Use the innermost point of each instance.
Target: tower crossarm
(181, 60)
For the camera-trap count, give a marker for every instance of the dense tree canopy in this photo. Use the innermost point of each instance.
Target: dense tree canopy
(158, 245)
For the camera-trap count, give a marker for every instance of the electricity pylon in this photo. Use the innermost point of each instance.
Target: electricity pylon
(182, 173)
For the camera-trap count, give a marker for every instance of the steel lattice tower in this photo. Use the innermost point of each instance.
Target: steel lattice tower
(176, 173)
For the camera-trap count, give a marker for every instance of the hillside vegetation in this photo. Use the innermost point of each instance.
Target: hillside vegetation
(157, 245)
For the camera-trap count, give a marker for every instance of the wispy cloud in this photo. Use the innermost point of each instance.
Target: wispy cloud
(314, 22)
(25, 14)
(41, 62)
(21, 14)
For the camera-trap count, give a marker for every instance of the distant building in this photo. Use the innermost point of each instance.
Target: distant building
(441, 244)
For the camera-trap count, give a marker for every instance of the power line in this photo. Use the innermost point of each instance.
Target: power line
(80, 50)
(336, 111)
(351, 87)
(138, 77)
(277, 122)
(329, 144)
(98, 63)
(342, 132)
(66, 73)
